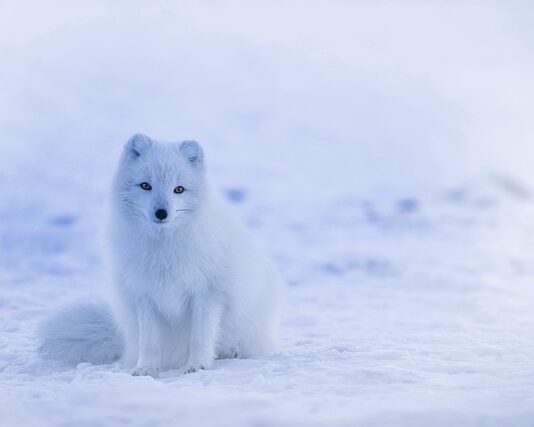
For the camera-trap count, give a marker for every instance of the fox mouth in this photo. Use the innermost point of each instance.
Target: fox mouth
(161, 222)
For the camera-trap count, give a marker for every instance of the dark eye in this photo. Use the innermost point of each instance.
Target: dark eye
(179, 189)
(145, 186)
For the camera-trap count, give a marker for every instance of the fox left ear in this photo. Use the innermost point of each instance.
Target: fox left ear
(193, 152)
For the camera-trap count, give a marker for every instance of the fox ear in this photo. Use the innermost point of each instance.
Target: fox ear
(193, 152)
(137, 144)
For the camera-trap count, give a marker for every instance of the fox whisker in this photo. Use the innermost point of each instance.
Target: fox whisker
(133, 203)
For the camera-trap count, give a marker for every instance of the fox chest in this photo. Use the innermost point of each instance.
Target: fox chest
(170, 282)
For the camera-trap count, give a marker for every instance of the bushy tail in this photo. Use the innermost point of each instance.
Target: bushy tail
(85, 332)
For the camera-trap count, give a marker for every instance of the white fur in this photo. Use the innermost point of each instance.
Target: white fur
(193, 287)
(84, 332)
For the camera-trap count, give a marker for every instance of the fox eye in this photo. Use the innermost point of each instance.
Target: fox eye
(179, 189)
(145, 186)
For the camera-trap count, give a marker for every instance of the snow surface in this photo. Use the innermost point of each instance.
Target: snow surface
(380, 151)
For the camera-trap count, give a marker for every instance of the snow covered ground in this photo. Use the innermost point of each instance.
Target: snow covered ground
(382, 153)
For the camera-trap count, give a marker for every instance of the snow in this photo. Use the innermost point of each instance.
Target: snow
(381, 152)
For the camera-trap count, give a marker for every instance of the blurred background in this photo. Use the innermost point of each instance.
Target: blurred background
(394, 96)
(381, 151)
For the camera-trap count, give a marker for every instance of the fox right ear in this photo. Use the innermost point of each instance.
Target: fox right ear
(137, 144)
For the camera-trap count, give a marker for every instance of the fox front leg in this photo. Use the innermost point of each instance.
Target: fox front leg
(149, 357)
(205, 320)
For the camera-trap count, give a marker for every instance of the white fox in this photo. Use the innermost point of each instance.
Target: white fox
(191, 287)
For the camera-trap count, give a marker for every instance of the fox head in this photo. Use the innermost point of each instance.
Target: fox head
(161, 184)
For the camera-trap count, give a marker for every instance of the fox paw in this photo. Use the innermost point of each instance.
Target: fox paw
(193, 367)
(143, 372)
(230, 353)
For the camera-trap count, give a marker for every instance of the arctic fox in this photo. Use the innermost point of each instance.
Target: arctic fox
(191, 287)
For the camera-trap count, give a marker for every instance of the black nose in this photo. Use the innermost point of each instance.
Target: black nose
(161, 214)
